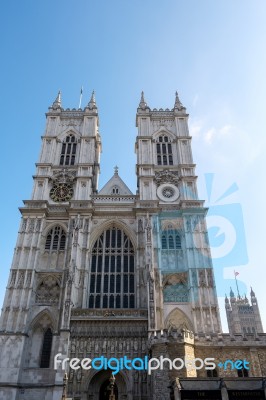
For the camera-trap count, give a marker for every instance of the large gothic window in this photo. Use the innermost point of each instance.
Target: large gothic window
(46, 349)
(56, 239)
(164, 151)
(171, 240)
(112, 279)
(68, 151)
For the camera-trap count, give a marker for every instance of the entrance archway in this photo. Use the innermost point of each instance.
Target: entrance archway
(98, 388)
(105, 390)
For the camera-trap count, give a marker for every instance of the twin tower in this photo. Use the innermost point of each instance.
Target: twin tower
(108, 272)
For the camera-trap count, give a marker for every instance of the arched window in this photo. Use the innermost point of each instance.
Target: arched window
(68, 151)
(164, 151)
(56, 239)
(115, 190)
(46, 349)
(112, 279)
(171, 240)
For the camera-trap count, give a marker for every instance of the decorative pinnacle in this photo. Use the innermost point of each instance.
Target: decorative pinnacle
(92, 102)
(116, 170)
(57, 102)
(252, 293)
(178, 105)
(142, 103)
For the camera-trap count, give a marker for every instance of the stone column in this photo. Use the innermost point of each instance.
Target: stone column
(224, 390)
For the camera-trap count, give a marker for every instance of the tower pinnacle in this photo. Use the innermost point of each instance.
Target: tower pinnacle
(142, 103)
(57, 102)
(92, 102)
(178, 105)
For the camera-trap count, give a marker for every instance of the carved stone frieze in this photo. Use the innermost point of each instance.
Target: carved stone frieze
(48, 289)
(166, 176)
(63, 176)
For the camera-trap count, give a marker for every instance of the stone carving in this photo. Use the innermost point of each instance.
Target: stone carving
(20, 281)
(210, 278)
(177, 320)
(63, 176)
(28, 280)
(173, 279)
(141, 225)
(13, 279)
(38, 225)
(48, 290)
(202, 281)
(24, 225)
(166, 176)
(176, 293)
(31, 225)
(148, 229)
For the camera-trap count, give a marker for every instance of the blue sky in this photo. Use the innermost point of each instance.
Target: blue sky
(212, 52)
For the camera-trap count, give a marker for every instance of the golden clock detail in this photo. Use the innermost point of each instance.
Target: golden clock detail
(61, 192)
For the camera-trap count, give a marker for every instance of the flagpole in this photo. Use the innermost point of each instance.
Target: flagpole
(80, 97)
(237, 285)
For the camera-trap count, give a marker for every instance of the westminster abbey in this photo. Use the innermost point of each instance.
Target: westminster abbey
(107, 272)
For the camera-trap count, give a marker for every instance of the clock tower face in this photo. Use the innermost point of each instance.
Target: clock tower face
(61, 192)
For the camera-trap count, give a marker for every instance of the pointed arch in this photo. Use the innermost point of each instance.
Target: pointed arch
(177, 319)
(55, 238)
(113, 223)
(42, 320)
(39, 346)
(112, 269)
(164, 150)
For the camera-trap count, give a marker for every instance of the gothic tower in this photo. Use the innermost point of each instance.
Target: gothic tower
(100, 272)
(167, 183)
(243, 317)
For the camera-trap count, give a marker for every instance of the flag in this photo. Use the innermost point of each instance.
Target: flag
(81, 90)
(236, 273)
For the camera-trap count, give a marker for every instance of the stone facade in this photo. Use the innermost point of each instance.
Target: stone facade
(111, 273)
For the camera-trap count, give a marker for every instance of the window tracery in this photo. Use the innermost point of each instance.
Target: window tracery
(112, 280)
(164, 151)
(171, 240)
(68, 151)
(56, 239)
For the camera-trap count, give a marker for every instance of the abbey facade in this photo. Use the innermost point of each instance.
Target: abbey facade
(113, 273)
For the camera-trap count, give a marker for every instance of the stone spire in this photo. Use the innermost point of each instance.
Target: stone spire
(92, 102)
(57, 102)
(116, 170)
(142, 104)
(178, 105)
(231, 293)
(252, 293)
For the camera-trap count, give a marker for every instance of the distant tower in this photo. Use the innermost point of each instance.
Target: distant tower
(241, 316)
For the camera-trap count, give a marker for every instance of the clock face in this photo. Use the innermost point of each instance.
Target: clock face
(168, 192)
(61, 192)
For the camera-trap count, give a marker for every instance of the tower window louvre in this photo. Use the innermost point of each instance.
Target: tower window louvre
(68, 151)
(164, 151)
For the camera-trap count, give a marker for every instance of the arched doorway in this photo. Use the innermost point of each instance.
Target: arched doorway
(105, 390)
(98, 388)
